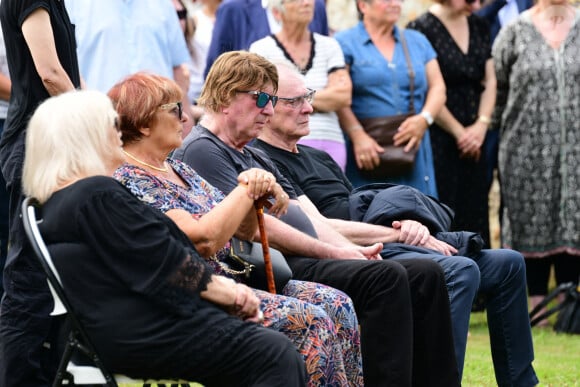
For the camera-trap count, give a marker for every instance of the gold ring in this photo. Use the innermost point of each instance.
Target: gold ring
(363, 157)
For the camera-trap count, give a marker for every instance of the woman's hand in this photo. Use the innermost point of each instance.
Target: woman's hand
(259, 182)
(411, 132)
(237, 299)
(366, 150)
(471, 140)
(411, 232)
(246, 305)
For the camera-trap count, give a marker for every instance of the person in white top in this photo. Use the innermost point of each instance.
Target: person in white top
(319, 58)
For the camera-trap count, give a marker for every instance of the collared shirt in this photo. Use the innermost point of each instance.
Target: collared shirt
(117, 38)
(381, 87)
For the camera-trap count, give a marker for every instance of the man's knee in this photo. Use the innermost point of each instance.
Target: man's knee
(460, 271)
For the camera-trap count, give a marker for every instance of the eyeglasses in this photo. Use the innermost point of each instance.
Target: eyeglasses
(177, 108)
(471, 1)
(262, 98)
(296, 102)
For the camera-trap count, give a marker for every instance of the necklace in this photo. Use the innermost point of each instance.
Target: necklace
(164, 169)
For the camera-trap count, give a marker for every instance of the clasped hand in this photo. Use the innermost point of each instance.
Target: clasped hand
(262, 185)
(415, 234)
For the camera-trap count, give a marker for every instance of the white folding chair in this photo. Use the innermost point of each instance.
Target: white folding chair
(78, 341)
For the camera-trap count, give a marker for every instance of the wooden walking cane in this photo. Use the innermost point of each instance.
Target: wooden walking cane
(258, 204)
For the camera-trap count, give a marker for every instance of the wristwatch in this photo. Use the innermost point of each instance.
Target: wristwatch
(428, 117)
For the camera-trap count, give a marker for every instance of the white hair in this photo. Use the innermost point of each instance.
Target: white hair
(67, 139)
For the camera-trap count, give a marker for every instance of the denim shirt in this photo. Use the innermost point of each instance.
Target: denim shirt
(380, 87)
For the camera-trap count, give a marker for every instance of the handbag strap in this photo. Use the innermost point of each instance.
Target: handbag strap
(410, 70)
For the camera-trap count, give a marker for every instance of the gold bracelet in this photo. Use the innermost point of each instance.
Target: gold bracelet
(484, 119)
(354, 128)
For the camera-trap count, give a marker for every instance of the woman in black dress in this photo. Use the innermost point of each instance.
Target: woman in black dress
(464, 54)
(149, 301)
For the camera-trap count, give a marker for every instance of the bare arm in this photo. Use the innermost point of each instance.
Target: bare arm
(336, 94)
(39, 37)
(294, 242)
(365, 148)
(405, 231)
(413, 128)
(475, 133)
(470, 139)
(436, 94)
(5, 86)
(233, 215)
(236, 299)
(356, 232)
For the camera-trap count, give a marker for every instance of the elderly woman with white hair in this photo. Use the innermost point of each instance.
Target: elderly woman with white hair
(319, 58)
(160, 311)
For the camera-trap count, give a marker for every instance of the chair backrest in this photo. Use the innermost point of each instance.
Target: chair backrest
(78, 340)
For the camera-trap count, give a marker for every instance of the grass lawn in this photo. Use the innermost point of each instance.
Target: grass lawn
(557, 357)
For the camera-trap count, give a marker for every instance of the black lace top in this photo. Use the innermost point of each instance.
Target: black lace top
(140, 277)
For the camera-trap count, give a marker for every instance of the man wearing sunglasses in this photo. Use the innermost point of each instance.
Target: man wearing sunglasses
(499, 274)
(403, 308)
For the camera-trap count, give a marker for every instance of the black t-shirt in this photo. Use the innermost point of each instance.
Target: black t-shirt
(316, 174)
(28, 91)
(220, 165)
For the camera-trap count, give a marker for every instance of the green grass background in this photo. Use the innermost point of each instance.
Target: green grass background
(557, 356)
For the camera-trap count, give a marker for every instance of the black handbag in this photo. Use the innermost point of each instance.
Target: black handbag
(247, 259)
(394, 161)
(568, 320)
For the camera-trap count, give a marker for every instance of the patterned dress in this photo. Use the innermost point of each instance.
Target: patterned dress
(320, 320)
(538, 112)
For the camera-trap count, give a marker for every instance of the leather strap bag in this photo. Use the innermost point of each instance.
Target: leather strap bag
(394, 161)
(247, 257)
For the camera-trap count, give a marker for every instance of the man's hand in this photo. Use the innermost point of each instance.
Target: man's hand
(437, 245)
(411, 232)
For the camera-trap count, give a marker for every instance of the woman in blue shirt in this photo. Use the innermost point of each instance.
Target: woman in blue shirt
(381, 87)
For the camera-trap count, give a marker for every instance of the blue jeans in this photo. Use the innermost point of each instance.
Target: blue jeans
(500, 276)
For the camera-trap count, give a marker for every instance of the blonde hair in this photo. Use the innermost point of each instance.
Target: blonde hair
(232, 72)
(67, 139)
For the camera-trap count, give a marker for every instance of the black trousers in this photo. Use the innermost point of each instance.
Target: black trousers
(264, 358)
(403, 311)
(25, 323)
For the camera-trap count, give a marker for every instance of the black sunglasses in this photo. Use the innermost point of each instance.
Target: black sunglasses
(179, 109)
(262, 98)
(470, 1)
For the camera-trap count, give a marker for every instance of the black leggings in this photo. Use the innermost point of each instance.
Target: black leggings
(403, 311)
(566, 269)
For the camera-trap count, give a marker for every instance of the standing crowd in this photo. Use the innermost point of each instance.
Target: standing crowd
(150, 130)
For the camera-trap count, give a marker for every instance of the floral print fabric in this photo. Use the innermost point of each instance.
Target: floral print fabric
(301, 313)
